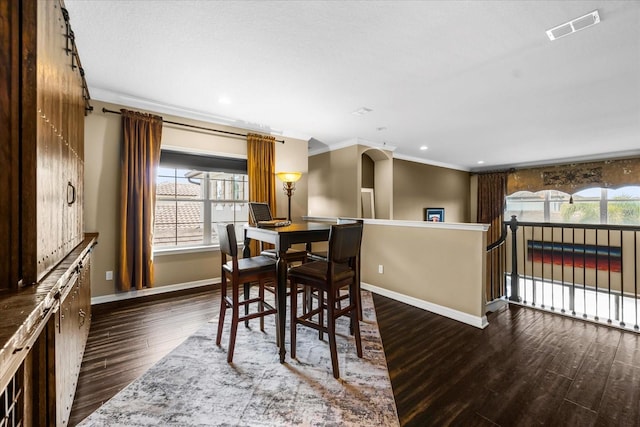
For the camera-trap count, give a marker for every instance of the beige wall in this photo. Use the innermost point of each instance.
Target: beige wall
(417, 186)
(473, 198)
(429, 262)
(336, 178)
(102, 180)
(368, 171)
(333, 183)
(384, 196)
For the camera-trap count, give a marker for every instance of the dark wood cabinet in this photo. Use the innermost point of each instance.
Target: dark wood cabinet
(10, 65)
(67, 334)
(45, 291)
(43, 102)
(43, 335)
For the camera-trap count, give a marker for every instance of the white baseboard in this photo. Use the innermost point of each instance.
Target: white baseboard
(478, 322)
(120, 296)
(496, 304)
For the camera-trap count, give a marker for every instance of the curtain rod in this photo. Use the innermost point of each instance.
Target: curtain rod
(104, 110)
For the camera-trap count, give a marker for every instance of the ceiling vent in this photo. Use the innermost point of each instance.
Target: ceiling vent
(571, 27)
(361, 111)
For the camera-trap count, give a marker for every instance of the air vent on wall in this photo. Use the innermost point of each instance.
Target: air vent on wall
(571, 27)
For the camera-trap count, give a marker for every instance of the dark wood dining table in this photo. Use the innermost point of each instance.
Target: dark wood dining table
(282, 238)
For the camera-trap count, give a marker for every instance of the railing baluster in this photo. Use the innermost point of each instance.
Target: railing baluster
(609, 273)
(552, 250)
(514, 260)
(542, 263)
(524, 262)
(572, 295)
(635, 276)
(532, 273)
(584, 273)
(562, 310)
(621, 279)
(596, 271)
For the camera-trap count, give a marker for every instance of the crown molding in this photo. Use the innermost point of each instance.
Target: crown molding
(351, 143)
(112, 97)
(431, 162)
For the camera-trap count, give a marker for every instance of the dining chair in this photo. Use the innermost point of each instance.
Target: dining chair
(327, 278)
(240, 271)
(322, 256)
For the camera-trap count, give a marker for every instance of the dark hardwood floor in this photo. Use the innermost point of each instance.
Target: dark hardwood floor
(526, 368)
(127, 338)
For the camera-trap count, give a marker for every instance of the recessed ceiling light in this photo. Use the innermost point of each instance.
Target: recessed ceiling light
(585, 21)
(361, 111)
(424, 147)
(224, 100)
(480, 162)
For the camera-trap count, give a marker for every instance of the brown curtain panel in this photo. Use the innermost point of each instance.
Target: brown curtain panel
(261, 163)
(139, 161)
(492, 189)
(573, 177)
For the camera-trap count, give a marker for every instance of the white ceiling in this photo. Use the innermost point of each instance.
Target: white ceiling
(472, 80)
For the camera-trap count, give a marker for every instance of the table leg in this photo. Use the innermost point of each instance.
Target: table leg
(281, 300)
(246, 249)
(246, 253)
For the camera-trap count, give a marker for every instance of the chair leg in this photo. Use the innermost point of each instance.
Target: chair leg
(261, 303)
(354, 299)
(294, 314)
(359, 300)
(223, 308)
(247, 293)
(235, 316)
(331, 329)
(321, 313)
(307, 305)
(234, 329)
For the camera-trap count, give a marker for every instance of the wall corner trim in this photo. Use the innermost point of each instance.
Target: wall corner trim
(478, 322)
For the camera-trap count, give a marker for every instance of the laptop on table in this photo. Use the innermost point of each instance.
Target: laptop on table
(261, 215)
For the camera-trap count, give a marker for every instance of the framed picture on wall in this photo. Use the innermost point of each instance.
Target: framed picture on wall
(434, 214)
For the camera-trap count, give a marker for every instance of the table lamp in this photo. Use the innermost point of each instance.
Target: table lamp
(289, 185)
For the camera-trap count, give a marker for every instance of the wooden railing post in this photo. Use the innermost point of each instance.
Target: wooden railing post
(513, 225)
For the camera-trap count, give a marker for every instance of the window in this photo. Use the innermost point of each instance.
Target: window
(590, 206)
(190, 202)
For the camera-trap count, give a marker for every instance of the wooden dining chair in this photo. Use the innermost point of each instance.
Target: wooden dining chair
(322, 256)
(235, 273)
(327, 278)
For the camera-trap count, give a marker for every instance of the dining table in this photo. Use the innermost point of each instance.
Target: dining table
(282, 238)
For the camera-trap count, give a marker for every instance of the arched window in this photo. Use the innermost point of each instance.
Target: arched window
(591, 206)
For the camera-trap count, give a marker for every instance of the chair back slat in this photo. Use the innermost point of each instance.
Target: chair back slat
(344, 242)
(227, 237)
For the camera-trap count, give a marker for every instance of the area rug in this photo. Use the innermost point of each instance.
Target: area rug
(195, 386)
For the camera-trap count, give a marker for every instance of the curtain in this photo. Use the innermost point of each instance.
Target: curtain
(491, 203)
(140, 156)
(261, 164)
(573, 177)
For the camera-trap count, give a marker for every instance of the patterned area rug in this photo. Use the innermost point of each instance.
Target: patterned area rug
(195, 386)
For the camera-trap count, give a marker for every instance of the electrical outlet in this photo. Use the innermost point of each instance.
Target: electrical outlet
(109, 275)
(380, 269)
